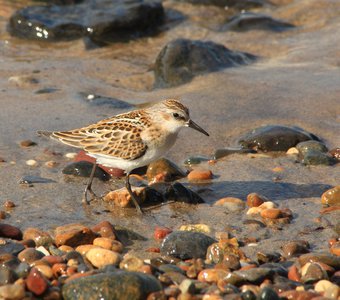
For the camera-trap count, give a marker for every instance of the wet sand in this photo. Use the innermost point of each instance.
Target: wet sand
(296, 82)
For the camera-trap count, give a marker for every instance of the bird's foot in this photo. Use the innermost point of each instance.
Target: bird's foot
(93, 196)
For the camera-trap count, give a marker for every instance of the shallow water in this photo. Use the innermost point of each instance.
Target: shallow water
(296, 82)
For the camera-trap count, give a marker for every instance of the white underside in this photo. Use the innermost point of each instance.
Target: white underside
(153, 152)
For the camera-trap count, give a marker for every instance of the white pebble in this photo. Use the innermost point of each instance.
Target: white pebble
(31, 162)
(329, 289)
(71, 155)
(292, 151)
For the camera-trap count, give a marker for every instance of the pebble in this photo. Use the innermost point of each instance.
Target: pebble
(326, 258)
(71, 155)
(231, 204)
(294, 248)
(274, 138)
(74, 235)
(271, 213)
(45, 270)
(335, 153)
(121, 285)
(203, 228)
(212, 275)
(200, 174)
(102, 257)
(31, 163)
(292, 151)
(331, 197)
(12, 291)
(131, 263)
(41, 238)
(255, 275)
(36, 282)
(9, 231)
(312, 272)
(83, 169)
(335, 248)
(83, 249)
(27, 143)
(328, 289)
(105, 229)
(30, 255)
(51, 164)
(161, 232)
(255, 199)
(186, 244)
(122, 198)
(169, 170)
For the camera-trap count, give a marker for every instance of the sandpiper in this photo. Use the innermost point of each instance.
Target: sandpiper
(130, 140)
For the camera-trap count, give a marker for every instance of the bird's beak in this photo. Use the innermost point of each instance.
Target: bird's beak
(193, 125)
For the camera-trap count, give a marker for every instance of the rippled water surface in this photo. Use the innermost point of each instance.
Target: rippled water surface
(296, 81)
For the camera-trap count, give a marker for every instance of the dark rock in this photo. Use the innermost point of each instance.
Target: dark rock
(46, 91)
(186, 244)
(83, 169)
(313, 157)
(295, 248)
(275, 138)
(27, 143)
(278, 268)
(314, 273)
(98, 100)
(255, 275)
(219, 153)
(249, 21)
(30, 179)
(306, 146)
(268, 294)
(248, 295)
(181, 60)
(7, 275)
(102, 21)
(326, 258)
(118, 285)
(30, 255)
(268, 257)
(11, 232)
(245, 4)
(8, 246)
(179, 193)
(22, 270)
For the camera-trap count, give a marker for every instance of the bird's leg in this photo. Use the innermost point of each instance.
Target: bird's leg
(133, 197)
(89, 186)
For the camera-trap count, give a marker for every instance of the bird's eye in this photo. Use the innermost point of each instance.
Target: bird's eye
(176, 115)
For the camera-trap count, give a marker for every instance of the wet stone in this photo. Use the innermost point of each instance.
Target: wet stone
(182, 59)
(249, 21)
(335, 153)
(195, 160)
(83, 169)
(8, 246)
(274, 138)
(11, 232)
(255, 275)
(312, 157)
(7, 275)
(12, 291)
(246, 4)
(331, 197)
(116, 286)
(30, 179)
(266, 257)
(304, 147)
(267, 294)
(186, 244)
(74, 235)
(102, 257)
(30, 255)
(36, 282)
(295, 248)
(168, 169)
(107, 21)
(179, 193)
(41, 238)
(231, 204)
(326, 258)
(313, 273)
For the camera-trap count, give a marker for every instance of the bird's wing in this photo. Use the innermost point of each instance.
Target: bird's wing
(119, 138)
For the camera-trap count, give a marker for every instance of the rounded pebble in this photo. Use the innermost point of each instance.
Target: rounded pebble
(271, 213)
(200, 174)
(36, 282)
(101, 257)
(329, 289)
(331, 197)
(31, 163)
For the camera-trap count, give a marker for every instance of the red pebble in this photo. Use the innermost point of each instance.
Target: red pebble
(153, 249)
(11, 232)
(36, 282)
(161, 232)
(293, 274)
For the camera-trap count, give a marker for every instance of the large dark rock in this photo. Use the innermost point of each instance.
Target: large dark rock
(102, 21)
(118, 285)
(181, 60)
(275, 138)
(250, 21)
(186, 244)
(83, 169)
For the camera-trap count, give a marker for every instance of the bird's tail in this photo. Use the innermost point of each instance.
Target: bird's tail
(44, 133)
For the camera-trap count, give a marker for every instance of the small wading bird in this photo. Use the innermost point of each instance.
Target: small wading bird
(130, 140)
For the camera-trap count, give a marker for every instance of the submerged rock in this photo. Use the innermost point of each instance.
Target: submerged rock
(275, 138)
(245, 4)
(101, 21)
(164, 170)
(314, 153)
(182, 59)
(331, 197)
(250, 21)
(186, 244)
(83, 169)
(119, 285)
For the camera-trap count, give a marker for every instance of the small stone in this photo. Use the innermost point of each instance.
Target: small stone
(102, 257)
(267, 294)
(331, 197)
(51, 164)
(41, 238)
(306, 146)
(122, 197)
(131, 263)
(292, 151)
(255, 275)
(295, 248)
(83, 169)
(7, 275)
(255, 200)
(27, 143)
(83, 249)
(36, 282)
(167, 168)
(312, 272)
(203, 228)
(335, 153)
(186, 244)
(293, 274)
(12, 291)
(9, 231)
(312, 157)
(326, 258)
(74, 235)
(45, 270)
(335, 249)
(9, 204)
(30, 255)
(212, 275)
(232, 204)
(200, 174)
(104, 242)
(105, 229)
(31, 163)
(195, 160)
(271, 213)
(161, 232)
(23, 81)
(328, 289)
(71, 155)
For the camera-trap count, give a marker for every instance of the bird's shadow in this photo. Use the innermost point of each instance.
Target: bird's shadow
(271, 190)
